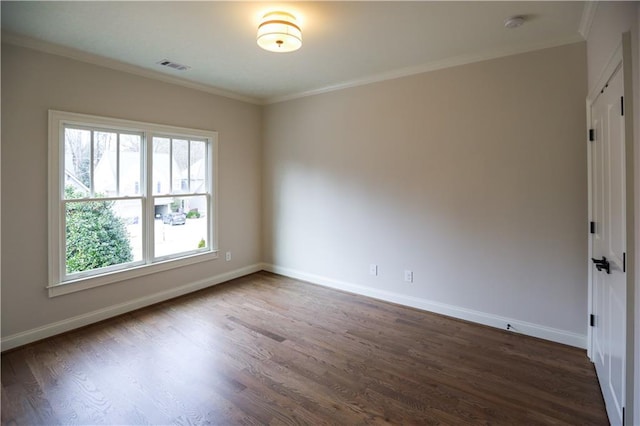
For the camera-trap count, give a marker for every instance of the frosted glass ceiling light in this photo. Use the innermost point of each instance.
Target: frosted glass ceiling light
(279, 32)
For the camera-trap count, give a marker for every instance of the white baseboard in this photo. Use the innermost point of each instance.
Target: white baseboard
(52, 329)
(530, 329)
(522, 327)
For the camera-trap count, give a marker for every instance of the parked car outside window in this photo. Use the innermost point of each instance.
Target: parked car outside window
(174, 218)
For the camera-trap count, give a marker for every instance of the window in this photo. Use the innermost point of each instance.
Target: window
(126, 199)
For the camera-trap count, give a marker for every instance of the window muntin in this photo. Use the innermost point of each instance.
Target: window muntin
(102, 171)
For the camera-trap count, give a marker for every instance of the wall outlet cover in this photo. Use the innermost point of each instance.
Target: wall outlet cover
(373, 269)
(408, 276)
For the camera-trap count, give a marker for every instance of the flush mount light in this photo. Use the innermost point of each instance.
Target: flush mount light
(514, 22)
(279, 32)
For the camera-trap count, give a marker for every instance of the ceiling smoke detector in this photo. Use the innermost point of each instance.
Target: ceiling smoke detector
(514, 22)
(174, 65)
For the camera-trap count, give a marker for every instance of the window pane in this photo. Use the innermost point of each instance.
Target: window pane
(130, 211)
(130, 177)
(198, 169)
(102, 233)
(105, 163)
(180, 152)
(181, 225)
(161, 169)
(77, 163)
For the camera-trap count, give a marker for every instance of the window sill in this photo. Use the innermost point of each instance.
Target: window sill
(117, 276)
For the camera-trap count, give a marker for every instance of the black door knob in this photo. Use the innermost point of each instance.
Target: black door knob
(602, 264)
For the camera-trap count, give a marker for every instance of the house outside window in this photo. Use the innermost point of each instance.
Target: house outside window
(126, 199)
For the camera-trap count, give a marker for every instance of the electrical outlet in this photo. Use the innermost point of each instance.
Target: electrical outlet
(373, 269)
(228, 256)
(408, 276)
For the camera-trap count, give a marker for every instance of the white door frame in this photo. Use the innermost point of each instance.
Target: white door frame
(622, 55)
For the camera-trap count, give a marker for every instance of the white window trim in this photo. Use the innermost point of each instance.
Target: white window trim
(57, 120)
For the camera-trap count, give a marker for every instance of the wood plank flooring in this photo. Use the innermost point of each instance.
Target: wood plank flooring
(265, 349)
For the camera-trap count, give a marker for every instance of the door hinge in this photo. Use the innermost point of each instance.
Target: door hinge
(624, 262)
(592, 227)
(592, 135)
(621, 105)
(592, 320)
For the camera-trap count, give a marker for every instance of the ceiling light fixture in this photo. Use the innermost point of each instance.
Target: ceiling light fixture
(513, 22)
(279, 32)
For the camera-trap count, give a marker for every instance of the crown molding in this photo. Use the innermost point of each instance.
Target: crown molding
(432, 66)
(55, 49)
(78, 55)
(588, 12)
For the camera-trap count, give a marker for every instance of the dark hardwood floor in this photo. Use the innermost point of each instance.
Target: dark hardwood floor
(265, 349)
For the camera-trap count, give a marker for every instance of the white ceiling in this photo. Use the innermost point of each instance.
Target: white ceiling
(344, 43)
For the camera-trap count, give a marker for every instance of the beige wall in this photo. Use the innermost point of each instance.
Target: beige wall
(32, 83)
(474, 177)
(611, 19)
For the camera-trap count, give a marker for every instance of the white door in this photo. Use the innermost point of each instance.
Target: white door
(609, 244)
